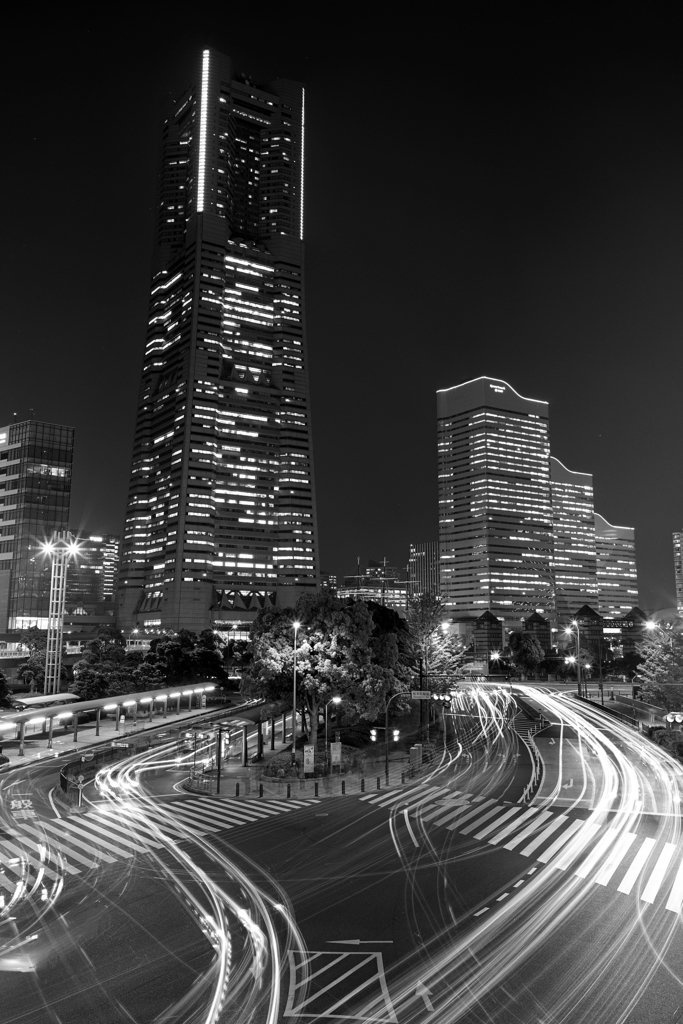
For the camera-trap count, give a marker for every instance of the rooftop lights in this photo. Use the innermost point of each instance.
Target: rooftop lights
(128, 703)
(36, 721)
(110, 707)
(64, 714)
(174, 694)
(146, 700)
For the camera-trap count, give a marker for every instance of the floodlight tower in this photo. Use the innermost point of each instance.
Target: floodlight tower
(61, 548)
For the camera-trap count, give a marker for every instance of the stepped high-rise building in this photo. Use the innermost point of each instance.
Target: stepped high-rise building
(574, 559)
(221, 514)
(35, 494)
(616, 572)
(495, 515)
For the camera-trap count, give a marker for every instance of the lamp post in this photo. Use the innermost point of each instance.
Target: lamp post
(61, 547)
(335, 700)
(295, 626)
(386, 735)
(578, 651)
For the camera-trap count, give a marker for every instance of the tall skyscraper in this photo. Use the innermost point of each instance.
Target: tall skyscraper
(423, 569)
(495, 516)
(574, 559)
(221, 514)
(678, 570)
(617, 576)
(35, 492)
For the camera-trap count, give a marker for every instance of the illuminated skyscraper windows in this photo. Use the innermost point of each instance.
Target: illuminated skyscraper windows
(617, 577)
(221, 513)
(574, 559)
(495, 518)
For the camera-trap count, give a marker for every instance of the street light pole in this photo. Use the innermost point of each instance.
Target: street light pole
(295, 626)
(61, 547)
(335, 700)
(578, 653)
(386, 735)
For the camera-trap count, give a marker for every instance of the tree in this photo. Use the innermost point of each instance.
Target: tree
(341, 651)
(430, 645)
(527, 653)
(5, 691)
(660, 674)
(105, 668)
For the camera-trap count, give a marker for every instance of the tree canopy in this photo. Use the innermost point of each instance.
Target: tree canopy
(660, 674)
(527, 653)
(440, 653)
(345, 648)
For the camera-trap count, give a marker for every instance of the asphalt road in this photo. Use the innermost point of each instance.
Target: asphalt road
(442, 902)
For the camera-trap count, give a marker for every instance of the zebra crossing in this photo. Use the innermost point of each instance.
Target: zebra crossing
(43, 851)
(595, 852)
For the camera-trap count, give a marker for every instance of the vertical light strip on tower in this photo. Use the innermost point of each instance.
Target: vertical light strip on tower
(301, 215)
(202, 131)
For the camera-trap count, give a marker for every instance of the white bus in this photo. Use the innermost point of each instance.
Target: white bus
(41, 700)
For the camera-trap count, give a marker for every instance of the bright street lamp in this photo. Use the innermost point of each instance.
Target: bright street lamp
(335, 700)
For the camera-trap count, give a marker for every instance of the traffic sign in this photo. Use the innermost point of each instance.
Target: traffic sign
(87, 757)
(420, 694)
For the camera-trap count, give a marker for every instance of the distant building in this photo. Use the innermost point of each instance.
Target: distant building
(678, 570)
(574, 558)
(379, 583)
(540, 628)
(487, 637)
(35, 492)
(616, 573)
(328, 582)
(423, 569)
(92, 575)
(495, 515)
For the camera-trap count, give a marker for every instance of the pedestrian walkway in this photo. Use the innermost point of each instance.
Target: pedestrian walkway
(599, 853)
(35, 852)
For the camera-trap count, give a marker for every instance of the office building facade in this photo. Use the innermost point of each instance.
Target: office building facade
(678, 570)
(574, 558)
(423, 569)
(377, 582)
(35, 493)
(221, 518)
(616, 572)
(92, 574)
(495, 515)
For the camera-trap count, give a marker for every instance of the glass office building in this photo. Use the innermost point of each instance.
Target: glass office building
(221, 516)
(35, 493)
(495, 515)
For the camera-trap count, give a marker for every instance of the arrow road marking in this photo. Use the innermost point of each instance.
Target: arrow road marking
(569, 784)
(361, 942)
(552, 743)
(422, 990)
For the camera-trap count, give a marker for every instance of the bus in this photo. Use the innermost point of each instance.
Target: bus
(41, 700)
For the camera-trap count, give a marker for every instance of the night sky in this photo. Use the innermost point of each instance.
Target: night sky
(499, 198)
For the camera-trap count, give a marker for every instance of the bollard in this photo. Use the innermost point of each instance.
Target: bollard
(362, 785)
(403, 777)
(343, 786)
(237, 789)
(316, 789)
(378, 785)
(260, 789)
(289, 790)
